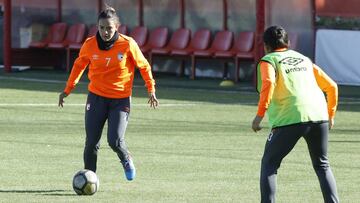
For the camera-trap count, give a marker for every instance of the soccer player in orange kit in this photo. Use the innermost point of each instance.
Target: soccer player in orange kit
(111, 59)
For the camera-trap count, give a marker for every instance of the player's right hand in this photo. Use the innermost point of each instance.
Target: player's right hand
(256, 123)
(61, 99)
(331, 123)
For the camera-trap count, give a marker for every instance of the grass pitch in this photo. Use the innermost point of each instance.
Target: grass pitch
(197, 147)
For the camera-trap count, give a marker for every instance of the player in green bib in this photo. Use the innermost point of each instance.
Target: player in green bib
(292, 91)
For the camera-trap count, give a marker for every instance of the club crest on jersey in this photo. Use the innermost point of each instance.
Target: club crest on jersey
(120, 56)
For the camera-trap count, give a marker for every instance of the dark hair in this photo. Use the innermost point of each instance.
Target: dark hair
(276, 37)
(109, 13)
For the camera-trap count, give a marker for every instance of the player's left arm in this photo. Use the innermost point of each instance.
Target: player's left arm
(267, 89)
(330, 88)
(143, 65)
(145, 71)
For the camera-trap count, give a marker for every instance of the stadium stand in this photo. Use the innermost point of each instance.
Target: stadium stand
(222, 42)
(56, 34)
(92, 30)
(157, 39)
(123, 29)
(31, 25)
(242, 49)
(74, 35)
(139, 34)
(76, 46)
(199, 41)
(179, 40)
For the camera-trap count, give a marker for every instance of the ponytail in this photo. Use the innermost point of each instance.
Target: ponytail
(109, 13)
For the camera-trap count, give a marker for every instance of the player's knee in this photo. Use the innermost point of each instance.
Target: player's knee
(271, 162)
(321, 165)
(117, 145)
(91, 146)
(269, 165)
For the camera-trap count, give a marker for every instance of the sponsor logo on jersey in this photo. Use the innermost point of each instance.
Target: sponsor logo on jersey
(295, 69)
(291, 61)
(95, 57)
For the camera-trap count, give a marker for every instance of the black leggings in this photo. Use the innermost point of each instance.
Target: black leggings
(281, 141)
(99, 109)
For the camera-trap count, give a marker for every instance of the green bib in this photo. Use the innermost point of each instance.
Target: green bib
(297, 97)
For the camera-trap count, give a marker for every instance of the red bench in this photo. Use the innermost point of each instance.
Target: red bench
(179, 40)
(222, 42)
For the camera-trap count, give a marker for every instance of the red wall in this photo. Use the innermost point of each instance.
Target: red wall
(343, 8)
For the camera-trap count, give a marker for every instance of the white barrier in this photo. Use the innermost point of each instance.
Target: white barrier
(337, 52)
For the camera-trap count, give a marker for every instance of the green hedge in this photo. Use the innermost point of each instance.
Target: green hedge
(344, 23)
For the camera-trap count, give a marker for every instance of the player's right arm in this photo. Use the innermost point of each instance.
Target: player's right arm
(77, 70)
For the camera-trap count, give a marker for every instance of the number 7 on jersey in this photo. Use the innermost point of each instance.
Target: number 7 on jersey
(107, 61)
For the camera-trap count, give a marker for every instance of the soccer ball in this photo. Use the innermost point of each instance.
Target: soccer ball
(85, 182)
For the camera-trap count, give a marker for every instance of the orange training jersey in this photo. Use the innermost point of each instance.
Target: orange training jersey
(111, 72)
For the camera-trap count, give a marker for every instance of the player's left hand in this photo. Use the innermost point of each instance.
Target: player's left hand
(153, 100)
(256, 123)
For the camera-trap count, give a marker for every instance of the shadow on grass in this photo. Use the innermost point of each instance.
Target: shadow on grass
(32, 191)
(72, 194)
(349, 107)
(168, 86)
(43, 144)
(42, 192)
(353, 131)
